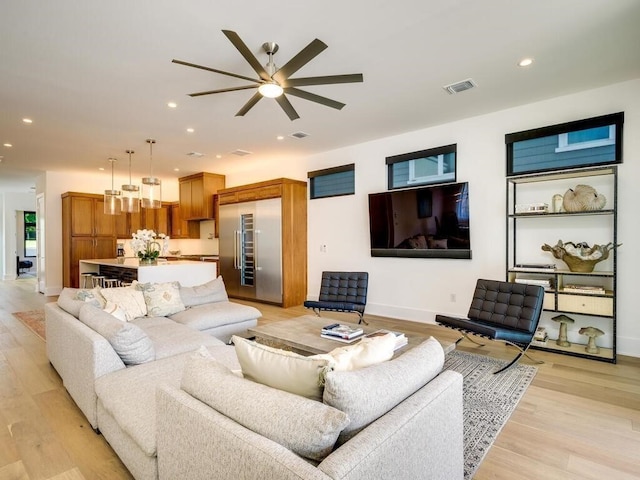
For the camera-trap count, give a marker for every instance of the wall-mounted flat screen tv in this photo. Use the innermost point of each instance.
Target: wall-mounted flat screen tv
(427, 222)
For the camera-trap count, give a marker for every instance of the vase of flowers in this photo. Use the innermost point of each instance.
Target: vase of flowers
(146, 245)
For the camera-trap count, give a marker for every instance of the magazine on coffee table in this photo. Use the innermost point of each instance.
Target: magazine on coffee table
(342, 331)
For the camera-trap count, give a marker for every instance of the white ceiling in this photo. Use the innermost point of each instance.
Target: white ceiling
(95, 76)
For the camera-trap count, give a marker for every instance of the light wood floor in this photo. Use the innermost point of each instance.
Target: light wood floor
(579, 419)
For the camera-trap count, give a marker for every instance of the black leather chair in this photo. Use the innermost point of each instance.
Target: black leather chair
(504, 311)
(342, 292)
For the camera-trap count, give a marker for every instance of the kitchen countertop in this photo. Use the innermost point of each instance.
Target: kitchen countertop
(133, 262)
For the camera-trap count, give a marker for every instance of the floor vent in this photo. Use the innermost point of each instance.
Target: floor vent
(460, 86)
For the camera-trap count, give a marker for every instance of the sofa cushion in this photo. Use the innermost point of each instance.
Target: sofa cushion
(304, 426)
(161, 299)
(368, 351)
(170, 338)
(210, 292)
(282, 369)
(128, 340)
(212, 315)
(129, 394)
(69, 303)
(367, 394)
(129, 299)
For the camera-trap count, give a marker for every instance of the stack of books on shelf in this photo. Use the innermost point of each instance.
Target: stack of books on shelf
(401, 338)
(588, 289)
(342, 333)
(546, 283)
(535, 267)
(540, 337)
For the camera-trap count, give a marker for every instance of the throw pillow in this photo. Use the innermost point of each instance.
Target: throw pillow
(161, 299)
(128, 340)
(281, 369)
(306, 427)
(129, 299)
(68, 302)
(367, 394)
(210, 292)
(92, 296)
(367, 352)
(116, 311)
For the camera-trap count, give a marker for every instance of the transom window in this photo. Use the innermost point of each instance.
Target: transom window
(588, 138)
(332, 182)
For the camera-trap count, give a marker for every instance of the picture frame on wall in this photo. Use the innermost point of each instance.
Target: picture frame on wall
(583, 143)
(424, 167)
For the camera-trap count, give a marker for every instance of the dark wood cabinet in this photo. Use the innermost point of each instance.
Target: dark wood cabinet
(197, 195)
(182, 228)
(86, 233)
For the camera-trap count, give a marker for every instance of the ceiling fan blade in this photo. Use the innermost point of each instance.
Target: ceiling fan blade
(287, 107)
(223, 90)
(314, 98)
(246, 53)
(214, 70)
(305, 55)
(324, 80)
(249, 105)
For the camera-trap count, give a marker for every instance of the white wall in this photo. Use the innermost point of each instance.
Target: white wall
(9, 204)
(417, 289)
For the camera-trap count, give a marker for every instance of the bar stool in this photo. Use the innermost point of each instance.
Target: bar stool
(98, 280)
(110, 282)
(86, 280)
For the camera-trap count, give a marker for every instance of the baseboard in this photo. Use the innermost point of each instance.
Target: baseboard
(628, 346)
(402, 313)
(52, 291)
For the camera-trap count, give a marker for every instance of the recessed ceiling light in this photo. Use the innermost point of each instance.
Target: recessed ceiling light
(190, 130)
(525, 62)
(172, 105)
(176, 169)
(101, 169)
(218, 156)
(8, 145)
(280, 137)
(27, 120)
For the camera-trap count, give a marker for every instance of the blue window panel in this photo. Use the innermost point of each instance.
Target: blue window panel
(333, 184)
(588, 135)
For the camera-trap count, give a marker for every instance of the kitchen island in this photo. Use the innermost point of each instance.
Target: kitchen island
(187, 272)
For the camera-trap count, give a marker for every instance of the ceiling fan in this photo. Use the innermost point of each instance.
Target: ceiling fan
(276, 83)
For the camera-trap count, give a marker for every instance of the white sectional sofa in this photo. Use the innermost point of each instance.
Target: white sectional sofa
(169, 401)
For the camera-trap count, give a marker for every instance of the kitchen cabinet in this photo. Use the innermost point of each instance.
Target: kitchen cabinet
(86, 233)
(581, 299)
(182, 228)
(156, 219)
(127, 224)
(263, 241)
(196, 195)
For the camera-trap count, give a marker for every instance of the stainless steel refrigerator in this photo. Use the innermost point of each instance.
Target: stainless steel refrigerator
(251, 249)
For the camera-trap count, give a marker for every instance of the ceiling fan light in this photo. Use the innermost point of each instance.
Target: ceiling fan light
(270, 90)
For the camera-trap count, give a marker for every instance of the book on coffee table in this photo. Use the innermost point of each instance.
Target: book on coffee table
(340, 339)
(339, 330)
(401, 338)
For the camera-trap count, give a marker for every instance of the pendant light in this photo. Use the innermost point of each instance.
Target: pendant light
(130, 193)
(112, 197)
(151, 188)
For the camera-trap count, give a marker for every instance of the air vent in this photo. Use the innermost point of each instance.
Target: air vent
(460, 86)
(195, 154)
(240, 153)
(299, 135)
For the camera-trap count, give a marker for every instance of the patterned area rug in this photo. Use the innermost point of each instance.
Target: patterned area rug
(488, 400)
(34, 320)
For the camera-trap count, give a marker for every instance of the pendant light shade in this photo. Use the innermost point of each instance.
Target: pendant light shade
(151, 188)
(112, 197)
(130, 193)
